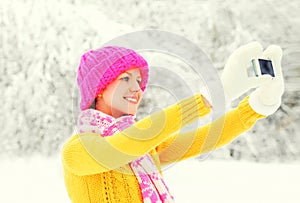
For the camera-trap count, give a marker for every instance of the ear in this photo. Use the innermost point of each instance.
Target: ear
(99, 96)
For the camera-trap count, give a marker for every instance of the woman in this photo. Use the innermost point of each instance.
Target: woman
(114, 159)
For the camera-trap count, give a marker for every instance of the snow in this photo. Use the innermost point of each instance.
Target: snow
(233, 181)
(40, 179)
(35, 179)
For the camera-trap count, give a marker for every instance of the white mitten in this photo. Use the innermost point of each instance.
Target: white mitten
(235, 78)
(266, 99)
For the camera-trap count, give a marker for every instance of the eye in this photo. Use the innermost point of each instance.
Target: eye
(139, 82)
(125, 78)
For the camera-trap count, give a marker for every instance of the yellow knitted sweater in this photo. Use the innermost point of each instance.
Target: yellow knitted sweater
(96, 168)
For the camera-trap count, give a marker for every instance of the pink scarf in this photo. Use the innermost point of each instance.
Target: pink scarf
(152, 185)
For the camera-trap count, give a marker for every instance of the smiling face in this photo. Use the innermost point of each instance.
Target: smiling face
(122, 96)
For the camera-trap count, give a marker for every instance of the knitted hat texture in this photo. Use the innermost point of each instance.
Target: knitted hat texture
(100, 67)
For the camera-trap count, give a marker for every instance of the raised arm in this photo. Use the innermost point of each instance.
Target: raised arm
(264, 101)
(208, 137)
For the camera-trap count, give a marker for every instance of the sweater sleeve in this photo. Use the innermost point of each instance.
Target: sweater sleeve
(220, 132)
(89, 153)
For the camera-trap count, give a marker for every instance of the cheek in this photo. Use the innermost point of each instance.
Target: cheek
(115, 97)
(108, 97)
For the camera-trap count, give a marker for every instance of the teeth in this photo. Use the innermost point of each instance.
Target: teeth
(131, 99)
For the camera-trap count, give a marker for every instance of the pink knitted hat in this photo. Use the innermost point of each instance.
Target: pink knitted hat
(100, 67)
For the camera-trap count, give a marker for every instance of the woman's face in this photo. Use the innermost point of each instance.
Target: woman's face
(123, 95)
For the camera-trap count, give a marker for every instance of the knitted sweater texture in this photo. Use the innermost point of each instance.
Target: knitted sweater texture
(96, 169)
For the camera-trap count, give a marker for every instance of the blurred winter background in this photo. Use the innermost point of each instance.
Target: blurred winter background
(41, 43)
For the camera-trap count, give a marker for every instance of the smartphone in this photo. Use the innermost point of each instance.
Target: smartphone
(262, 66)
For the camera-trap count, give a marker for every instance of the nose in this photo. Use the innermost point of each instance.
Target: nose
(135, 87)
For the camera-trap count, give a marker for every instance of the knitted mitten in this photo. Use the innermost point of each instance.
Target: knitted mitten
(235, 77)
(266, 99)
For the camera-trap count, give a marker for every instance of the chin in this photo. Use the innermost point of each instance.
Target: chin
(125, 112)
(131, 113)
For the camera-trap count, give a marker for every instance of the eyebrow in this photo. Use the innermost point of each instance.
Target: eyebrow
(131, 74)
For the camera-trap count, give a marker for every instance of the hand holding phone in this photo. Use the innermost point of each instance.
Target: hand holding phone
(266, 99)
(235, 79)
